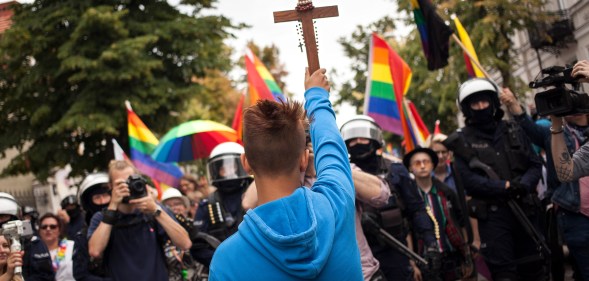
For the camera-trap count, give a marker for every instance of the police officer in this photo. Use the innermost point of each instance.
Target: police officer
(30, 213)
(72, 215)
(9, 209)
(220, 213)
(502, 149)
(93, 196)
(363, 138)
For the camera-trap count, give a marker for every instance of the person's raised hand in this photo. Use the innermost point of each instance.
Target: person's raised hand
(581, 71)
(509, 100)
(317, 79)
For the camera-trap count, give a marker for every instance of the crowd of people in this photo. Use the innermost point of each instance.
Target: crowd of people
(305, 200)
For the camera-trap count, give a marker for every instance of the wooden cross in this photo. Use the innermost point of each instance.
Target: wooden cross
(306, 13)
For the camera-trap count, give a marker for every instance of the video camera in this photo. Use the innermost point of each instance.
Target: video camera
(14, 231)
(559, 101)
(137, 188)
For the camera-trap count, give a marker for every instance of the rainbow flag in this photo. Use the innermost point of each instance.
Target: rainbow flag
(389, 78)
(261, 84)
(142, 143)
(471, 68)
(434, 33)
(418, 132)
(237, 124)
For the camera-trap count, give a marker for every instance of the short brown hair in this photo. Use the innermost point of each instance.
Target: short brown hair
(119, 165)
(274, 136)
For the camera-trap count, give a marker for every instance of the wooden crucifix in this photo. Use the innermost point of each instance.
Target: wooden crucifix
(306, 13)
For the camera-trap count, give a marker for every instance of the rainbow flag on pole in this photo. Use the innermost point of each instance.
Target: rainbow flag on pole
(389, 78)
(142, 143)
(237, 124)
(434, 34)
(261, 84)
(471, 68)
(418, 132)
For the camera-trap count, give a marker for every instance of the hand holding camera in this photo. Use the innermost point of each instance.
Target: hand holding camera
(581, 71)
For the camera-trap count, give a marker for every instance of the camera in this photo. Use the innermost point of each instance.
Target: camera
(14, 231)
(559, 100)
(137, 188)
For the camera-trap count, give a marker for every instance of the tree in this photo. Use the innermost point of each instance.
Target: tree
(69, 65)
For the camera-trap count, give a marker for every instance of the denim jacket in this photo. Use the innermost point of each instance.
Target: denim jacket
(565, 195)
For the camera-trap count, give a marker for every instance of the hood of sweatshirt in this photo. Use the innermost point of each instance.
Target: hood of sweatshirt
(286, 232)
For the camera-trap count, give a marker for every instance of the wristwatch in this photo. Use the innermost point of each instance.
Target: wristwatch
(158, 211)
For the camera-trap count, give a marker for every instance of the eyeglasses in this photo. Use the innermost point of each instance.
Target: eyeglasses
(441, 152)
(418, 163)
(49, 226)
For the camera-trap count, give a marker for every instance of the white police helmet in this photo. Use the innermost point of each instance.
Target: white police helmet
(91, 181)
(225, 163)
(8, 205)
(477, 86)
(362, 126)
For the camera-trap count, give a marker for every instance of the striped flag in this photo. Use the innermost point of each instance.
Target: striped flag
(418, 132)
(237, 124)
(142, 143)
(471, 68)
(434, 33)
(261, 84)
(389, 78)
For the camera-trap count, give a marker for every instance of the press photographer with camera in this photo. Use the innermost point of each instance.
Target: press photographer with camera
(131, 231)
(9, 261)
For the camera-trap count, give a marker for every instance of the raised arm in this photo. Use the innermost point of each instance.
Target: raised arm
(331, 155)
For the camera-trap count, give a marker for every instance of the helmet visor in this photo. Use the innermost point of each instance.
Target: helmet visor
(226, 167)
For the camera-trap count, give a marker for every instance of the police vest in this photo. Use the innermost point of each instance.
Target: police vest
(504, 152)
(222, 223)
(389, 217)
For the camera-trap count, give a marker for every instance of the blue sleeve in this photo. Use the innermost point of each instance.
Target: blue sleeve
(536, 133)
(94, 222)
(476, 184)
(334, 176)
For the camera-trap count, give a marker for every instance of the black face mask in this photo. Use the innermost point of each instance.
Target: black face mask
(232, 186)
(74, 213)
(370, 164)
(361, 151)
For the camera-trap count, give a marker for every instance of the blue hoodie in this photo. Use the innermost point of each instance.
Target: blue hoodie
(308, 235)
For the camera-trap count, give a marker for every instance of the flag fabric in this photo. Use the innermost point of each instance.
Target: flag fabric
(261, 84)
(471, 68)
(119, 152)
(434, 33)
(418, 132)
(388, 80)
(237, 124)
(142, 143)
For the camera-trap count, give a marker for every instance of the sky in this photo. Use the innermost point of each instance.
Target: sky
(259, 15)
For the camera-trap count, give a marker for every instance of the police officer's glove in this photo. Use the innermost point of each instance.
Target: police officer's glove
(517, 190)
(433, 258)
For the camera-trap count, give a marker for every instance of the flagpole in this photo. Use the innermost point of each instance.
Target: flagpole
(472, 59)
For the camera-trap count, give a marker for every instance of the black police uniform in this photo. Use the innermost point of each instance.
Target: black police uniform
(220, 214)
(507, 150)
(37, 262)
(405, 204)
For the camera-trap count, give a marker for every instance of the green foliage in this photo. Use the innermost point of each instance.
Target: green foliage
(69, 65)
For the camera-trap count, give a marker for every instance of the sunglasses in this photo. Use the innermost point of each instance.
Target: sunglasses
(49, 226)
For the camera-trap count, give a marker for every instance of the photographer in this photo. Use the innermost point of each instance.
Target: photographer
(130, 232)
(8, 261)
(572, 218)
